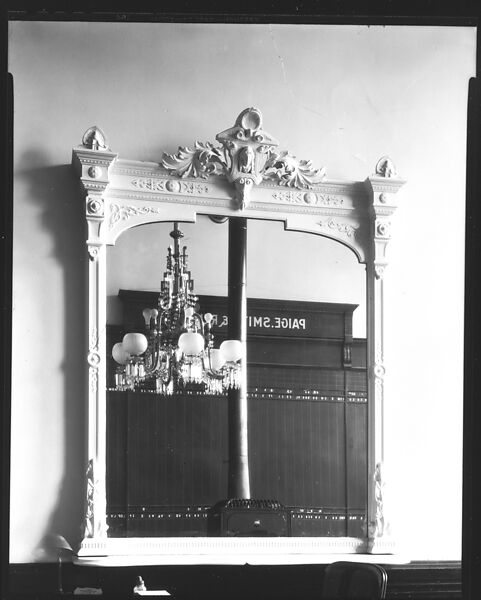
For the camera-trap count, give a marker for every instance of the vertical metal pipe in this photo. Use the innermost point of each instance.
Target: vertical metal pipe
(238, 476)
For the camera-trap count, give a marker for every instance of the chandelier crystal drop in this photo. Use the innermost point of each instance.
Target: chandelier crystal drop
(177, 353)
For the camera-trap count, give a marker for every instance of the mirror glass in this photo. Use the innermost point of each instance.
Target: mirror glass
(167, 457)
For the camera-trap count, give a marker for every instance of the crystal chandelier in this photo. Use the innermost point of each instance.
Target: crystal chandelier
(177, 353)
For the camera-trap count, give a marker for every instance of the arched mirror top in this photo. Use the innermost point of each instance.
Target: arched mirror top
(244, 174)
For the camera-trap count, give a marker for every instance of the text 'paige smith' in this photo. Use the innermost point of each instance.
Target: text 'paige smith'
(264, 322)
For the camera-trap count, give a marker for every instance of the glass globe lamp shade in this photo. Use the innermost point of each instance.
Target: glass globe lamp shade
(120, 354)
(147, 314)
(191, 343)
(231, 350)
(215, 360)
(135, 343)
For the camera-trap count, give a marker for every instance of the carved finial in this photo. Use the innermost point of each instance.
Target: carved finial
(94, 139)
(385, 167)
(247, 145)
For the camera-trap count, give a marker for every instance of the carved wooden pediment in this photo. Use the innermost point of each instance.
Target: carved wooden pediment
(246, 158)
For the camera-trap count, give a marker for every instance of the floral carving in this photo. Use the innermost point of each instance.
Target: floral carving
(383, 228)
(89, 511)
(297, 197)
(93, 378)
(188, 187)
(93, 359)
(95, 206)
(345, 228)
(149, 184)
(202, 160)
(173, 186)
(246, 157)
(122, 213)
(378, 496)
(95, 171)
(287, 170)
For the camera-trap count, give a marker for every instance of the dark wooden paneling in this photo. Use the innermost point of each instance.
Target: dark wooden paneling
(177, 449)
(168, 456)
(307, 428)
(297, 452)
(356, 455)
(417, 581)
(116, 438)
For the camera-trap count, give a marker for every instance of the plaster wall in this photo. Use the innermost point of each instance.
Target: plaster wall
(341, 96)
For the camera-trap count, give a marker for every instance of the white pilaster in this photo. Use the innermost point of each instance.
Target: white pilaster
(93, 167)
(383, 186)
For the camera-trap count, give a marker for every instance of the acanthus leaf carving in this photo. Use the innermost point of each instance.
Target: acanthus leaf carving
(202, 160)
(345, 228)
(122, 213)
(379, 525)
(285, 169)
(247, 154)
(89, 509)
(93, 527)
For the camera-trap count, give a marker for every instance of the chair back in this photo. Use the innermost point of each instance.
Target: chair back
(346, 580)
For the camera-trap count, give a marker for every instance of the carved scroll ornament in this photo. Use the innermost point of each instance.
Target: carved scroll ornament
(246, 157)
(287, 170)
(202, 160)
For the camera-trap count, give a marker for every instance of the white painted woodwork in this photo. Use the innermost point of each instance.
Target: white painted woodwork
(120, 194)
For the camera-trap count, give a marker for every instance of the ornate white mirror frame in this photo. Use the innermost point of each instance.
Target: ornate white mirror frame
(244, 176)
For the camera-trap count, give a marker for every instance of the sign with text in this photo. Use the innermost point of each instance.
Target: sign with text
(265, 317)
(285, 318)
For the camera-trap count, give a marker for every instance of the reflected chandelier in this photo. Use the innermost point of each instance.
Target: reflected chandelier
(177, 354)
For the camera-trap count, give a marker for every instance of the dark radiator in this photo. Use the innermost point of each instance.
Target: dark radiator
(250, 517)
